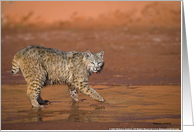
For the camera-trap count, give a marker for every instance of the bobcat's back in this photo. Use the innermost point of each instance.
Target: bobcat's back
(54, 65)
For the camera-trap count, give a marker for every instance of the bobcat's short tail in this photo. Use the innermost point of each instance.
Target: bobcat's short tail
(15, 64)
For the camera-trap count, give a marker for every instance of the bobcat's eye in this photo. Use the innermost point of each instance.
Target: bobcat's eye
(92, 63)
(99, 63)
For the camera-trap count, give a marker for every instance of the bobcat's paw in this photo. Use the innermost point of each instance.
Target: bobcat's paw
(38, 106)
(76, 100)
(101, 100)
(41, 106)
(46, 102)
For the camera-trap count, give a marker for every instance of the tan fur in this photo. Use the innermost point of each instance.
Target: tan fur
(41, 66)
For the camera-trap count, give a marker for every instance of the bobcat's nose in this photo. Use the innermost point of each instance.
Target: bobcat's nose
(97, 68)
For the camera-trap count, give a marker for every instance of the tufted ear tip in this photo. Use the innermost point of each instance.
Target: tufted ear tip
(88, 54)
(102, 53)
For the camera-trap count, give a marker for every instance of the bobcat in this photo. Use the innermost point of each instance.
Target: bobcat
(41, 66)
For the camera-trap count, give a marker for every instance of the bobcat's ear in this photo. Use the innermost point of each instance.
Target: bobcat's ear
(101, 54)
(88, 54)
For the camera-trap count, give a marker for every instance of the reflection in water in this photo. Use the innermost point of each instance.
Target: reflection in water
(75, 115)
(35, 114)
(82, 116)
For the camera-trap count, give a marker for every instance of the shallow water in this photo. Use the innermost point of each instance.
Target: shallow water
(157, 104)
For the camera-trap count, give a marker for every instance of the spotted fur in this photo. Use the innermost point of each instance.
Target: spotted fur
(41, 66)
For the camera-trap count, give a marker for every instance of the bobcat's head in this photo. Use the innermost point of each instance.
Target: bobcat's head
(94, 61)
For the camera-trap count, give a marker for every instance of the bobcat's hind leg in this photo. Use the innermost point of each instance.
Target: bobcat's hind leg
(35, 76)
(33, 94)
(41, 101)
(74, 94)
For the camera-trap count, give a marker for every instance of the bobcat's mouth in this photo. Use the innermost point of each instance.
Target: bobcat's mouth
(93, 69)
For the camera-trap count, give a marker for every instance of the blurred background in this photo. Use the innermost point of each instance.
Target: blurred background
(91, 14)
(141, 40)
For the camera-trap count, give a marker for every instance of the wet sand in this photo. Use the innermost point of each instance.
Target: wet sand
(125, 107)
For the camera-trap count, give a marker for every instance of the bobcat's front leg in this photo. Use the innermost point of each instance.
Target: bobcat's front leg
(85, 89)
(74, 94)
